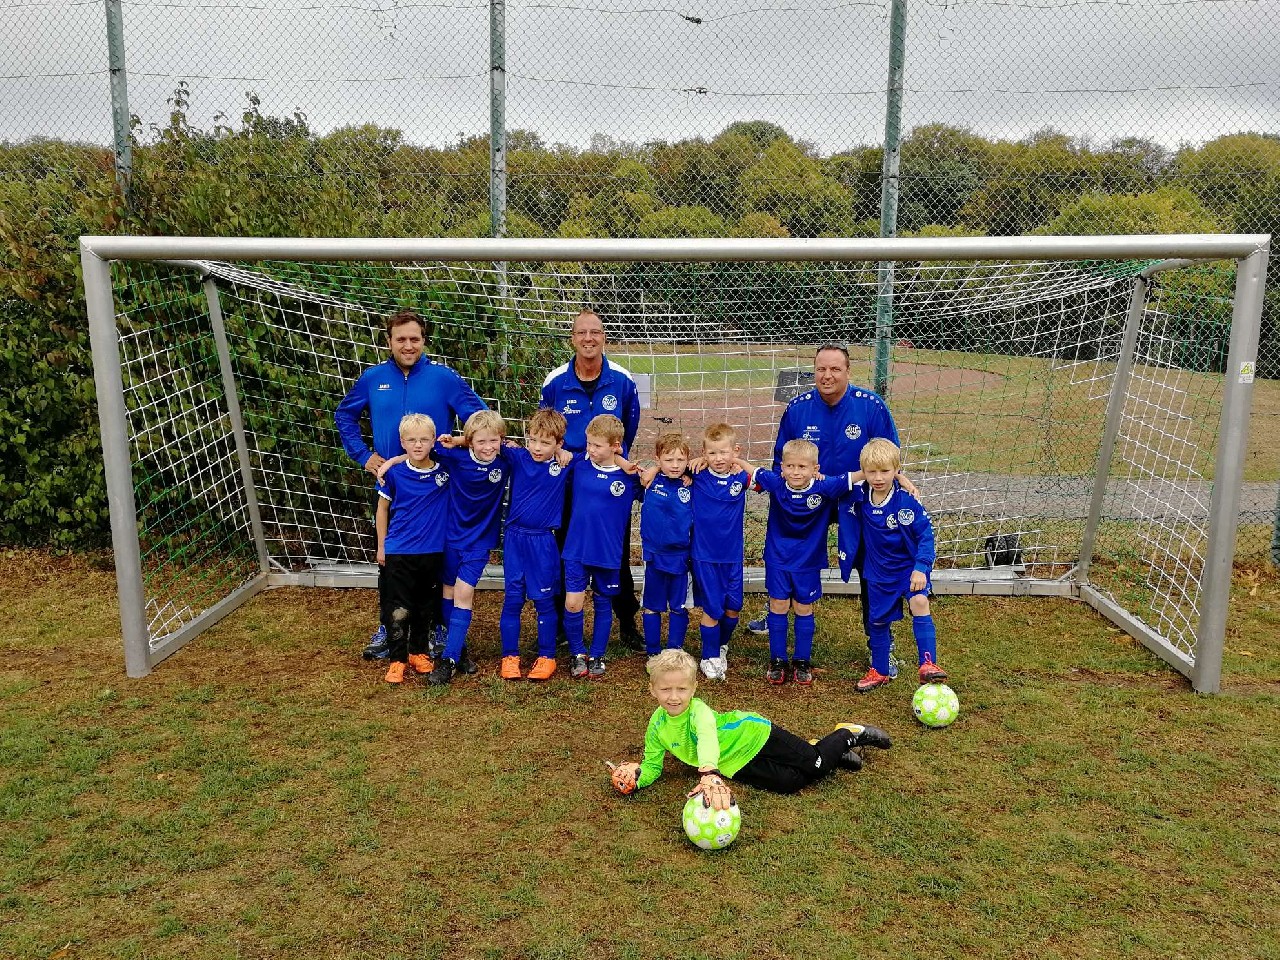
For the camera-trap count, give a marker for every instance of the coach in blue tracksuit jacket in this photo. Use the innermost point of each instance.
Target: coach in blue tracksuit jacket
(407, 383)
(588, 385)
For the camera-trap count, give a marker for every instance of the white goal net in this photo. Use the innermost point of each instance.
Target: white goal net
(1062, 416)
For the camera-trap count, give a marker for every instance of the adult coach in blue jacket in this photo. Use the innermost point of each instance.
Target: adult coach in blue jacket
(406, 383)
(588, 385)
(840, 418)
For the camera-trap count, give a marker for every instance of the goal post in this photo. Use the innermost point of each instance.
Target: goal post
(1074, 409)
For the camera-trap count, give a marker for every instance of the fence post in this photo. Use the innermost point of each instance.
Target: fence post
(120, 117)
(497, 118)
(889, 191)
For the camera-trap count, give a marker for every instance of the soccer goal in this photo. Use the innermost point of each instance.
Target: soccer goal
(1074, 410)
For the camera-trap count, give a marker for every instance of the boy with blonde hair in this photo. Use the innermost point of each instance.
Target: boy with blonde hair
(897, 538)
(795, 551)
(740, 746)
(719, 505)
(530, 554)
(666, 525)
(603, 493)
(412, 504)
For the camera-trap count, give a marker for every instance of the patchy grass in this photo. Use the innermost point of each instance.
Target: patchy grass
(264, 794)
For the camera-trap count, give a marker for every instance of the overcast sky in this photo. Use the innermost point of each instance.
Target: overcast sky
(1177, 71)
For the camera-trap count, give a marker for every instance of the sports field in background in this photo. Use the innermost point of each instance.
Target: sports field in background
(264, 794)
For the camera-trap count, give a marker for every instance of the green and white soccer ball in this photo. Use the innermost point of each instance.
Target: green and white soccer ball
(709, 828)
(935, 705)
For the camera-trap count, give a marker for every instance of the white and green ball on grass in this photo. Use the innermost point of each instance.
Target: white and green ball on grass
(935, 705)
(709, 828)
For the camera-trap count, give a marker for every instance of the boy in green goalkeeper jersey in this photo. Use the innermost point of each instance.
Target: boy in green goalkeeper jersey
(737, 745)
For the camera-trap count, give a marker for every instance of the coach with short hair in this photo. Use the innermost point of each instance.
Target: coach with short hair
(588, 385)
(840, 418)
(407, 382)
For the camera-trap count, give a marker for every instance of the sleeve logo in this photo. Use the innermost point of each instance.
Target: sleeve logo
(906, 516)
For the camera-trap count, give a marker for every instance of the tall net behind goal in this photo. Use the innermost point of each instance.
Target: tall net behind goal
(1061, 418)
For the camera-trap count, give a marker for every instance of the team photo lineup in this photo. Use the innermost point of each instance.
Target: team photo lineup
(560, 504)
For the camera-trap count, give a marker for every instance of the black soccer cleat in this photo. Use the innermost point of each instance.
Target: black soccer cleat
(777, 672)
(802, 672)
(466, 664)
(851, 759)
(442, 673)
(873, 737)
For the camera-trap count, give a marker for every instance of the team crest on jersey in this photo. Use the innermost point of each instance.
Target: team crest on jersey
(554, 469)
(441, 478)
(857, 393)
(495, 475)
(609, 402)
(617, 488)
(891, 522)
(683, 494)
(813, 501)
(735, 488)
(906, 516)
(853, 431)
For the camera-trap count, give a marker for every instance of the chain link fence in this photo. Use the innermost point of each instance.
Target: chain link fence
(718, 118)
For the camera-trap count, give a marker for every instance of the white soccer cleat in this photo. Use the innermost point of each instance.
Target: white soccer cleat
(711, 669)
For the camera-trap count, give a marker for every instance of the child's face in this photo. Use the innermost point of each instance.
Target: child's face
(673, 463)
(719, 454)
(673, 689)
(417, 444)
(541, 447)
(602, 451)
(880, 478)
(798, 471)
(485, 444)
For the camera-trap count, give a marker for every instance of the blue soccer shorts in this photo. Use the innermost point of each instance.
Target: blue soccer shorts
(531, 563)
(664, 591)
(578, 576)
(465, 565)
(802, 586)
(717, 587)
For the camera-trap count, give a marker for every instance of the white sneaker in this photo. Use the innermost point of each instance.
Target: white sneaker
(723, 661)
(711, 669)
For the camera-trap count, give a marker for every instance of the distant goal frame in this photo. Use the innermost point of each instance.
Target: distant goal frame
(1249, 252)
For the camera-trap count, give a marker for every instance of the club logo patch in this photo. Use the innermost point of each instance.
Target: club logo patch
(735, 488)
(609, 402)
(906, 516)
(495, 475)
(683, 494)
(853, 431)
(441, 478)
(554, 469)
(814, 501)
(891, 522)
(617, 488)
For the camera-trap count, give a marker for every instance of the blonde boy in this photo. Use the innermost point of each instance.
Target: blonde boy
(743, 747)
(666, 526)
(897, 537)
(603, 494)
(412, 505)
(719, 505)
(530, 554)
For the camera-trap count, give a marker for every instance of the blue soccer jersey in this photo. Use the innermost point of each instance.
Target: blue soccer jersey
(475, 499)
(387, 393)
(537, 491)
(897, 535)
(840, 430)
(602, 500)
(796, 536)
(419, 504)
(666, 524)
(719, 505)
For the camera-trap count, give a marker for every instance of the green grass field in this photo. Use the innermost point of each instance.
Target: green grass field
(264, 794)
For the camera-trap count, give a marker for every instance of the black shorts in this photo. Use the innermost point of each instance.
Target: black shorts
(411, 581)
